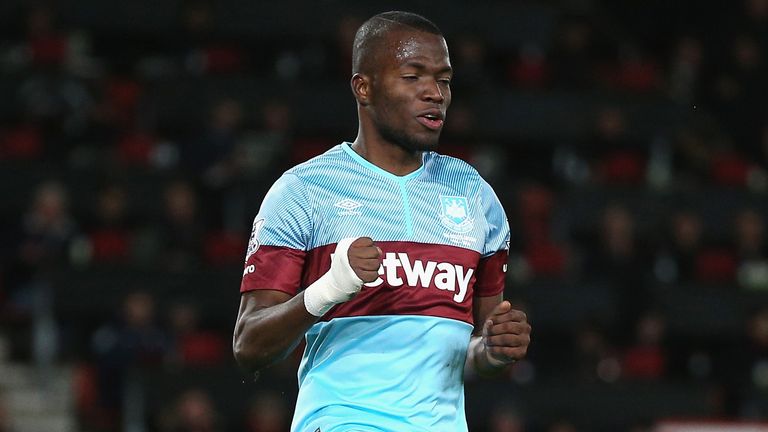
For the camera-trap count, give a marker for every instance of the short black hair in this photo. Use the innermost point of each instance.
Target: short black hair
(372, 32)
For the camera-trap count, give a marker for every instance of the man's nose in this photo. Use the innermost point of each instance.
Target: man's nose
(433, 92)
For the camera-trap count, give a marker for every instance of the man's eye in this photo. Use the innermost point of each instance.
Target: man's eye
(410, 77)
(444, 81)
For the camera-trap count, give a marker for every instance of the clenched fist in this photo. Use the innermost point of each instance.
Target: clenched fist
(506, 334)
(365, 259)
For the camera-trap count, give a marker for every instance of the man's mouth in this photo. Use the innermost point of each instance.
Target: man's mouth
(433, 121)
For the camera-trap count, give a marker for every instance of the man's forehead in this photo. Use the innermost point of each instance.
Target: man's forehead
(406, 45)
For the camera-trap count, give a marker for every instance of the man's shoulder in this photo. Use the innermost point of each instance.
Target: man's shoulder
(456, 167)
(320, 164)
(450, 169)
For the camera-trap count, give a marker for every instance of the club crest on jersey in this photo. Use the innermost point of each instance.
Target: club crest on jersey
(253, 242)
(454, 214)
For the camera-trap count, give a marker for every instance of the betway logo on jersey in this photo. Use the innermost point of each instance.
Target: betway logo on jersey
(417, 273)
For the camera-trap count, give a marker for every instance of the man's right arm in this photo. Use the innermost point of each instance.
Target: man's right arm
(269, 326)
(271, 323)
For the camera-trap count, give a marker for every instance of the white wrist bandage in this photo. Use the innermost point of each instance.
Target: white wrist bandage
(337, 285)
(478, 343)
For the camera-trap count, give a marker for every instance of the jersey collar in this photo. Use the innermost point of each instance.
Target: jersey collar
(347, 147)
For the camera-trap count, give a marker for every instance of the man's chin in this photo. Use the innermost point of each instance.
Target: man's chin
(412, 142)
(422, 145)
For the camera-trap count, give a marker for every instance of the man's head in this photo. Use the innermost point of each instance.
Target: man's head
(372, 34)
(401, 79)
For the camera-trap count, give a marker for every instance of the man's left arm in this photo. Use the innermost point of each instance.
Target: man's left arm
(502, 334)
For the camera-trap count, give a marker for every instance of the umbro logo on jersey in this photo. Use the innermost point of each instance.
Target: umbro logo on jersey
(348, 207)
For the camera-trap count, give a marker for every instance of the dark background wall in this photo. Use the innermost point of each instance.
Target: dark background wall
(626, 140)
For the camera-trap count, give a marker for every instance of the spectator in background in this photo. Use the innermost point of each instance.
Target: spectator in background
(749, 235)
(744, 368)
(264, 151)
(46, 43)
(755, 20)
(110, 232)
(22, 140)
(636, 71)
(267, 413)
(681, 244)
(132, 340)
(58, 106)
(343, 37)
(616, 156)
(47, 228)
(205, 50)
(193, 411)
(471, 58)
(196, 21)
(112, 111)
(532, 69)
(52, 98)
(506, 417)
(751, 249)
(685, 70)
(646, 358)
(190, 345)
(212, 157)
(694, 148)
(181, 231)
(595, 358)
(606, 155)
(616, 258)
(544, 255)
(738, 88)
(39, 245)
(573, 57)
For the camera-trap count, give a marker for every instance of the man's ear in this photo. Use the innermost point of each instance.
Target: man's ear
(361, 88)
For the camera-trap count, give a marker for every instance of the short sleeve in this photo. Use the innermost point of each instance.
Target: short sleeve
(491, 271)
(279, 238)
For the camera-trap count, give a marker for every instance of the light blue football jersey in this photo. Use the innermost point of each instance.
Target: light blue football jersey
(392, 358)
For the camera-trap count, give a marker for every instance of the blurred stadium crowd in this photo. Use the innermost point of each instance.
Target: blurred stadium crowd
(628, 142)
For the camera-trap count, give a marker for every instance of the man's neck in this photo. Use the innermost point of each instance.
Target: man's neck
(387, 156)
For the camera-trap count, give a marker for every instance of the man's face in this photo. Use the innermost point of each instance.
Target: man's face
(411, 89)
